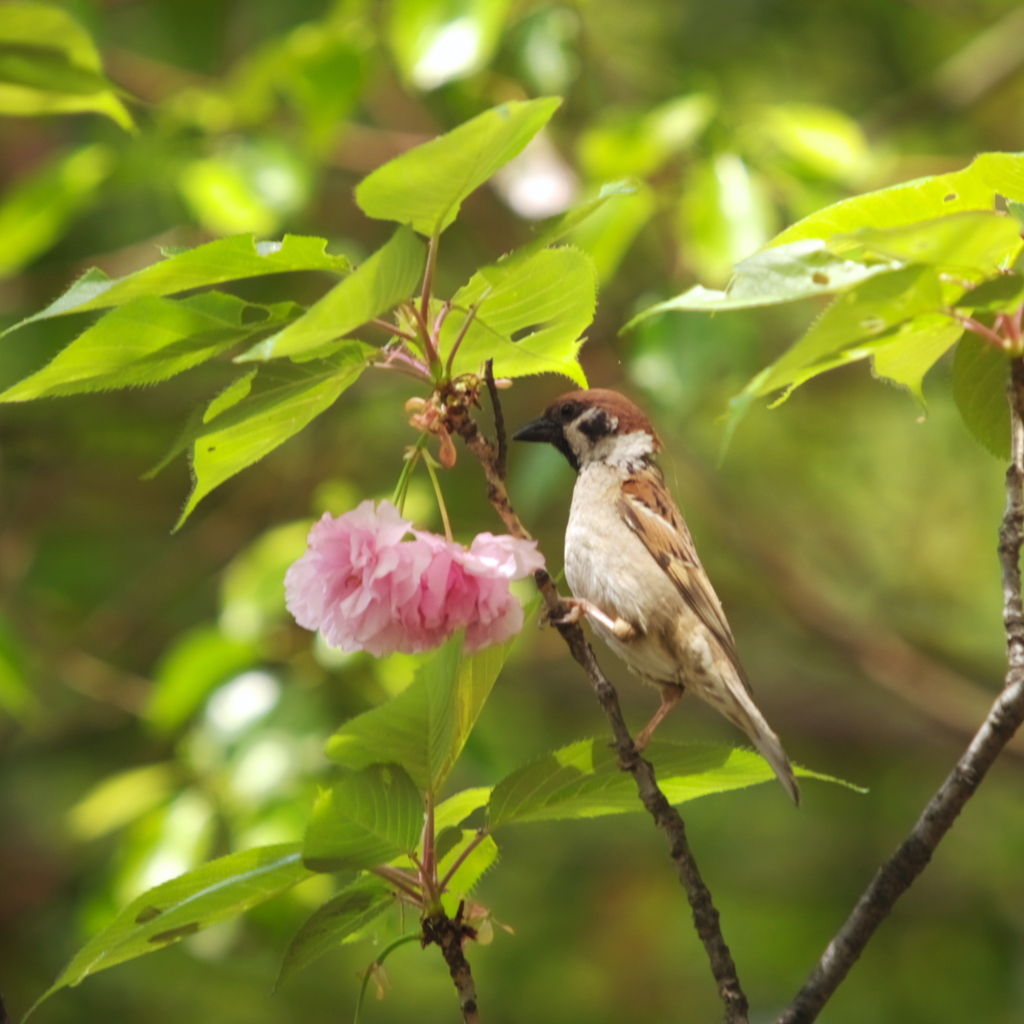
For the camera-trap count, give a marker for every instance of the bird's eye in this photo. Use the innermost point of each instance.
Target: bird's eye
(567, 410)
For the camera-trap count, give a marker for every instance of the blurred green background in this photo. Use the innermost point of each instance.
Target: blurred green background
(158, 708)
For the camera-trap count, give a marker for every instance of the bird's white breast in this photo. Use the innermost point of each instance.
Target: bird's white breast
(609, 566)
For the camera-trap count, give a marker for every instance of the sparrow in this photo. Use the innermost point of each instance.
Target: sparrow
(634, 571)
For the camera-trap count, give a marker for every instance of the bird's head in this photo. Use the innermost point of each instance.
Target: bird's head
(595, 426)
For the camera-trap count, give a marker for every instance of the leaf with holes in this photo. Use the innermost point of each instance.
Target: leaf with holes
(226, 259)
(974, 188)
(219, 890)
(859, 315)
(529, 319)
(366, 818)
(977, 244)
(147, 340)
(388, 277)
(799, 270)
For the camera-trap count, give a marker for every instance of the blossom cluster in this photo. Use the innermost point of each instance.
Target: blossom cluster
(367, 588)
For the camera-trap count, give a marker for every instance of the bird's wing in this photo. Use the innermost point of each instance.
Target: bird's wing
(649, 511)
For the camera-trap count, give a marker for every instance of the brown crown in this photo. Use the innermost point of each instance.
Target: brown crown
(629, 415)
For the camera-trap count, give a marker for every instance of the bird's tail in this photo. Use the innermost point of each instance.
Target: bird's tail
(744, 713)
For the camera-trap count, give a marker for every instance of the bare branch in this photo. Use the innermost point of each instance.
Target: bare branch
(1006, 716)
(666, 817)
(449, 933)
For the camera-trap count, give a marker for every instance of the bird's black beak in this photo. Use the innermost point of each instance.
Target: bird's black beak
(541, 429)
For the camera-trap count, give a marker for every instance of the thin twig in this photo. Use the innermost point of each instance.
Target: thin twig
(501, 460)
(666, 817)
(481, 835)
(1006, 716)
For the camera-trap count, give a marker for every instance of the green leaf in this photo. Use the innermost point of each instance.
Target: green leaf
(530, 316)
(147, 340)
(457, 808)
(426, 186)
(974, 188)
(914, 349)
(797, 270)
(214, 892)
(340, 920)
(387, 278)
(37, 211)
(862, 313)
(49, 65)
(1003, 294)
(286, 399)
(479, 861)
(227, 259)
(584, 780)
(365, 818)
(426, 726)
(976, 243)
(980, 376)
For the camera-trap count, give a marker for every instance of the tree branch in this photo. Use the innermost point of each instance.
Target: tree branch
(1005, 717)
(449, 933)
(666, 817)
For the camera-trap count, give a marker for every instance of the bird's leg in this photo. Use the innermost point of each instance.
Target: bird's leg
(670, 697)
(578, 607)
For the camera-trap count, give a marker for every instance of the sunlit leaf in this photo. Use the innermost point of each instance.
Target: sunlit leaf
(50, 65)
(366, 818)
(425, 187)
(148, 339)
(781, 274)
(216, 891)
(974, 188)
(426, 726)
(1002, 294)
(978, 243)
(530, 316)
(475, 865)
(285, 399)
(584, 780)
(457, 808)
(860, 314)
(375, 287)
(341, 919)
(914, 350)
(980, 375)
(227, 259)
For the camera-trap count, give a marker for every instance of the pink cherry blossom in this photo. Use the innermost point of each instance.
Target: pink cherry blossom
(367, 588)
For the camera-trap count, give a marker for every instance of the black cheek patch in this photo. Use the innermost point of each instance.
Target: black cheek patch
(597, 426)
